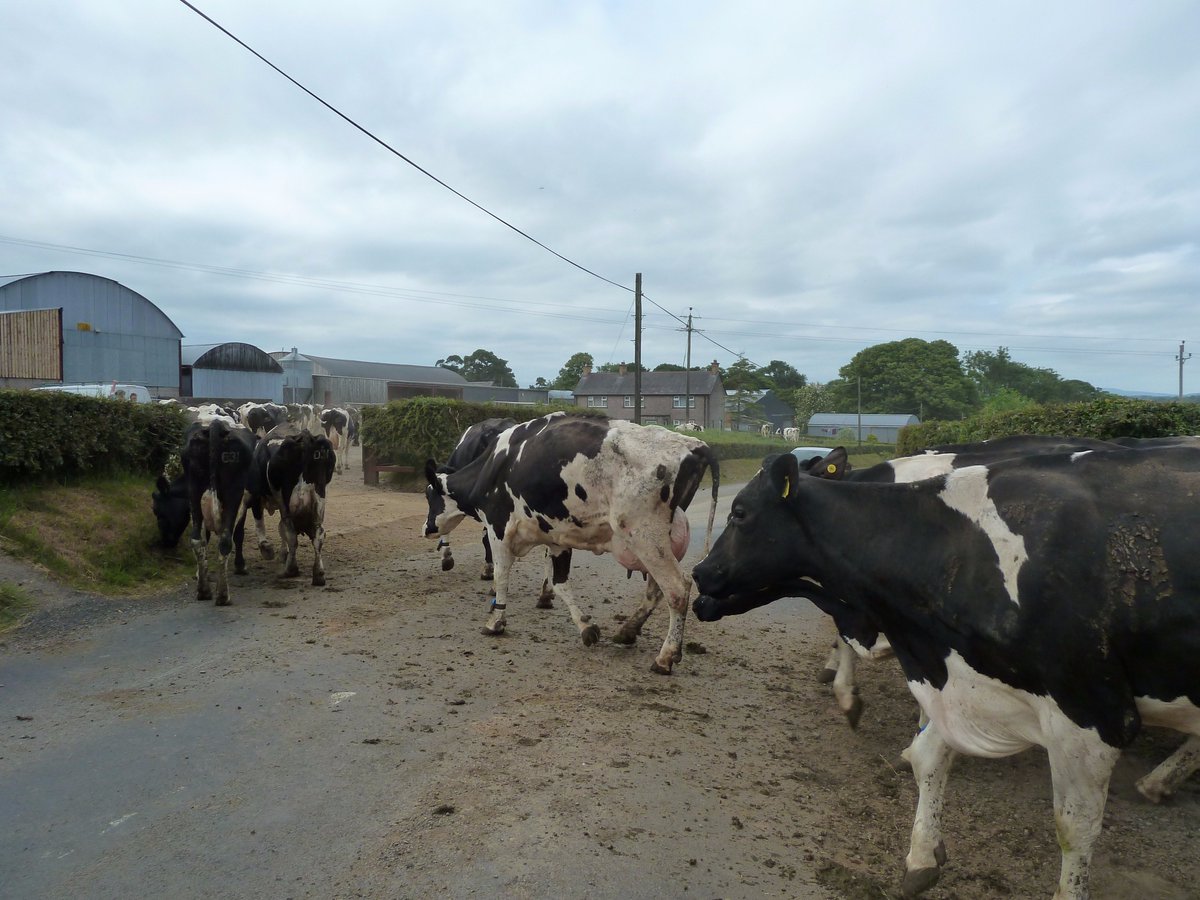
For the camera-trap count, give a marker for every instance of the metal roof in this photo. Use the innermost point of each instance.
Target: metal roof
(231, 355)
(69, 288)
(660, 383)
(885, 420)
(353, 368)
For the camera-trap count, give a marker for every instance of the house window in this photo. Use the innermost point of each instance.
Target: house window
(598, 401)
(629, 401)
(677, 401)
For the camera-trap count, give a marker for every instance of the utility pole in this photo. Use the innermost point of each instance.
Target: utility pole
(687, 375)
(637, 348)
(859, 410)
(1182, 359)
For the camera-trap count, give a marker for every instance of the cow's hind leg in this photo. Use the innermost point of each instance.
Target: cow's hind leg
(589, 631)
(265, 550)
(200, 548)
(676, 587)
(489, 567)
(932, 759)
(632, 627)
(830, 669)
(239, 535)
(287, 535)
(545, 599)
(1172, 772)
(845, 692)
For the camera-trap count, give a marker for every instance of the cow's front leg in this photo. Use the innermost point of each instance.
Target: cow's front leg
(443, 545)
(495, 621)
(589, 631)
(1080, 767)
(489, 567)
(632, 627)
(318, 570)
(845, 692)
(830, 669)
(545, 599)
(931, 759)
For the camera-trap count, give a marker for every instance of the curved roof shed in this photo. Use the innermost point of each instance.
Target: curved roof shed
(230, 371)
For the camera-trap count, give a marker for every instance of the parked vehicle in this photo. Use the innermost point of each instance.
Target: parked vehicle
(117, 390)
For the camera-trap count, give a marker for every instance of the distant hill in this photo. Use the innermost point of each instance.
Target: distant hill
(1148, 395)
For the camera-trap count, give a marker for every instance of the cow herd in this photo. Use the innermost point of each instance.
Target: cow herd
(260, 458)
(1035, 591)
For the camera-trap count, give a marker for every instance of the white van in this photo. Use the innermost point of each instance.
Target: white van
(117, 390)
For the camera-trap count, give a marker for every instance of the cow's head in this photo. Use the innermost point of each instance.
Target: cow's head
(170, 505)
(444, 513)
(758, 557)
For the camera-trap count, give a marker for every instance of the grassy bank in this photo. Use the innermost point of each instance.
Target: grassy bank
(96, 534)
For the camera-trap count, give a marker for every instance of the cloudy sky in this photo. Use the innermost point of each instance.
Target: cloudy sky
(809, 179)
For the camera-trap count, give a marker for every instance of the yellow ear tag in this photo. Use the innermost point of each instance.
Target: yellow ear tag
(831, 468)
(787, 487)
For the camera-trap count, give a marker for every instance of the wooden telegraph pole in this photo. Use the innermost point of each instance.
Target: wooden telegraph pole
(637, 348)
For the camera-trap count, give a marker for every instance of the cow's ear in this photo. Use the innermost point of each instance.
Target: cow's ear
(833, 466)
(784, 474)
(162, 484)
(431, 472)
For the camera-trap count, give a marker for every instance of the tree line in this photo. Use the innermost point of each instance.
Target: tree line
(928, 379)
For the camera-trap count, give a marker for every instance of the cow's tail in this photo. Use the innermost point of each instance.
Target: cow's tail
(216, 438)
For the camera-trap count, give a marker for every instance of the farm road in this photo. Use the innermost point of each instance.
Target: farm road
(364, 740)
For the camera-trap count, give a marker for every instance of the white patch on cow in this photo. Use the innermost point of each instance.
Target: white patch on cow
(1180, 714)
(210, 510)
(918, 468)
(982, 716)
(966, 492)
(1075, 457)
(881, 649)
(305, 497)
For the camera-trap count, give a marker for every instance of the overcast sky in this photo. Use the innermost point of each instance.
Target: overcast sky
(808, 178)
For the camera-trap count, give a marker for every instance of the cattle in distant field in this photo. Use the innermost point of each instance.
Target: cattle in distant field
(689, 426)
(355, 425)
(336, 423)
(262, 417)
(205, 413)
(216, 464)
(791, 434)
(291, 470)
(1049, 600)
(304, 416)
(583, 484)
(766, 430)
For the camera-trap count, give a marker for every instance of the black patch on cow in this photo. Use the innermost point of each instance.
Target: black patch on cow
(543, 524)
(528, 512)
(665, 493)
(580, 492)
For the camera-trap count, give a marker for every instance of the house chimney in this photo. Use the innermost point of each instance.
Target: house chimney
(587, 369)
(714, 367)
(622, 369)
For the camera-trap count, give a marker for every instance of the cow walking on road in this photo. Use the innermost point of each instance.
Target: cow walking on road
(1052, 600)
(583, 484)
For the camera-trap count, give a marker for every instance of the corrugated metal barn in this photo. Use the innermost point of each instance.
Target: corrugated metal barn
(885, 427)
(352, 382)
(230, 371)
(107, 332)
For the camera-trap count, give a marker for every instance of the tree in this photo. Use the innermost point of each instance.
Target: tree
(540, 384)
(616, 367)
(482, 365)
(669, 367)
(743, 376)
(571, 372)
(997, 372)
(911, 376)
(782, 376)
(807, 401)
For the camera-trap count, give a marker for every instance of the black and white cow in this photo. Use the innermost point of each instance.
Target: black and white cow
(474, 441)
(292, 468)
(583, 484)
(216, 466)
(355, 426)
(262, 417)
(336, 423)
(1049, 600)
(171, 510)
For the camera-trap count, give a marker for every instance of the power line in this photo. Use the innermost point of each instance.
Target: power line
(381, 142)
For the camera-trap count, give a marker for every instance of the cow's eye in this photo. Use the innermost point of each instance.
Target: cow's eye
(737, 514)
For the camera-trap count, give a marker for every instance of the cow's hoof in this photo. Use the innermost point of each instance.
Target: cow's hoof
(222, 601)
(1152, 791)
(659, 669)
(827, 676)
(919, 881)
(290, 572)
(318, 581)
(239, 569)
(486, 576)
(901, 763)
(545, 602)
(492, 632)
(625, 638)
(447, 564)
(590, 635)
(203, 598)
(267, 551)
(854, 713)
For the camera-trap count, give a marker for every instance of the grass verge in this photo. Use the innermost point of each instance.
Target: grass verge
(96, 534)
(14, 604)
